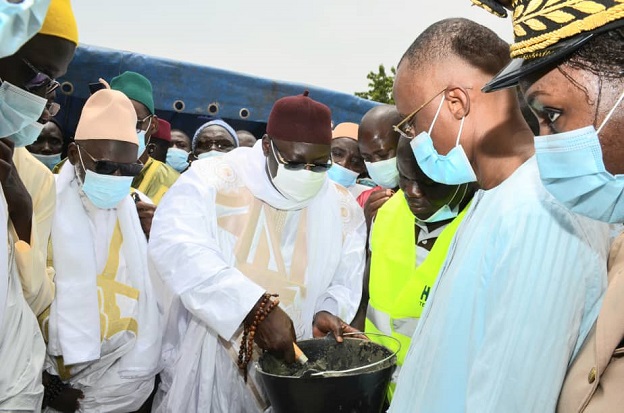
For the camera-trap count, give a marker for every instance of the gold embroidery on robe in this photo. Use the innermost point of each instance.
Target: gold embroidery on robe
(255, 223)
(111, 321)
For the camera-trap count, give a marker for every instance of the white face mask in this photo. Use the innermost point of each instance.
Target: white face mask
(297, 185)
(384, 173)
(210, 154)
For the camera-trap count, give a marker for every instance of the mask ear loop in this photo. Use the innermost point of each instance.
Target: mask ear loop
(81, 164)
(617, 103)
(461, 128)
(455, 194)
(436, 115)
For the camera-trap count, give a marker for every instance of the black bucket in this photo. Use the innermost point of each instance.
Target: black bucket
(357, 376)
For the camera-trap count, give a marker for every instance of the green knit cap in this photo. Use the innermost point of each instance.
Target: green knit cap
(136, 87)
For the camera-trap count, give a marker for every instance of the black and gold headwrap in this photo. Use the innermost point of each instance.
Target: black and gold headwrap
(548, 30)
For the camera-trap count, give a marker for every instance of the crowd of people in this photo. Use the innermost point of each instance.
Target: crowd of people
(478, 222)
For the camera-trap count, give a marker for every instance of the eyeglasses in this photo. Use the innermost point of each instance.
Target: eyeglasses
(139, 124)
(405, 127)
(106, 167)
(53, 108)
(297, 166)
(39, 80)
(220, 145)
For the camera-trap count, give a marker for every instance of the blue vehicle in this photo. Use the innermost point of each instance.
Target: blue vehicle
(188, 95)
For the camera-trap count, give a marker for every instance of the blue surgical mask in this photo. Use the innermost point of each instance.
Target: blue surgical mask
(20, 109)
(105, 191)
(384, 173)
(572, 170)
(446, 213)
(342, 175)
(27, 135)
(451, 169)
(141, 138)
(177, 159)
(210, 154)
(48, 160)
(19, 22)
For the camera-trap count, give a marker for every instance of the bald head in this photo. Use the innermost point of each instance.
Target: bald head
(438, 89)
(246, 138)
(477, 45)
(376, 138)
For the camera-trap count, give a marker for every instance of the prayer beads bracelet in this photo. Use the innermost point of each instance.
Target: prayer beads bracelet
(268, 302)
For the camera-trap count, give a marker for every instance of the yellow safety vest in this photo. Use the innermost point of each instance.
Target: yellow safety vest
(155, 179)
(398, 291)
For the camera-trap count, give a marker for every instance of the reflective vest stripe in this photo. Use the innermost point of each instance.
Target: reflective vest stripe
(388, 325)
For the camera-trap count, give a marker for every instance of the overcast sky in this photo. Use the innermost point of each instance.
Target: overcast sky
(328, 43)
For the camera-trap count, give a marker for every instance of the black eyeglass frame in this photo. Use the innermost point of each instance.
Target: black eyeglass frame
(298, 166)
(106, 167)
(39, 80)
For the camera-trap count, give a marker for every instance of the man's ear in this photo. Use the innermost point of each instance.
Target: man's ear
(266, 143)
(72, 154)
(458, 101)
(153, 126)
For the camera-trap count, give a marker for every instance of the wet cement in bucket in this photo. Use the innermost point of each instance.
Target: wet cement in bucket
(360, 391)
(329, 355)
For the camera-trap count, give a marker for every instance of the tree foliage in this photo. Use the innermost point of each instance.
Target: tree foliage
(379, 86)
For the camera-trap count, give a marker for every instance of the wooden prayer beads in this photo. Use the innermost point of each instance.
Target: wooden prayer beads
(267, 304)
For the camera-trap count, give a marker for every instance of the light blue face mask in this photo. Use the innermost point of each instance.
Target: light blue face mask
(342, 175)
(451, 169)
(19, 22)
(48, 160)
(210, 154)
(572, 170)
(27, 135)
(141, 138)
(105, 191)
(445, 212)
(20, 109)
(177, 159)
(384, 173)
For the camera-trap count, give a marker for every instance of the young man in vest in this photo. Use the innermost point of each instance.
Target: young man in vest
(409, 241)
(104, 327)
(156, 177)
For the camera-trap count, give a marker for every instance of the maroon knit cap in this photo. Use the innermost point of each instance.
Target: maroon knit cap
(164, 131)
(300, 119)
